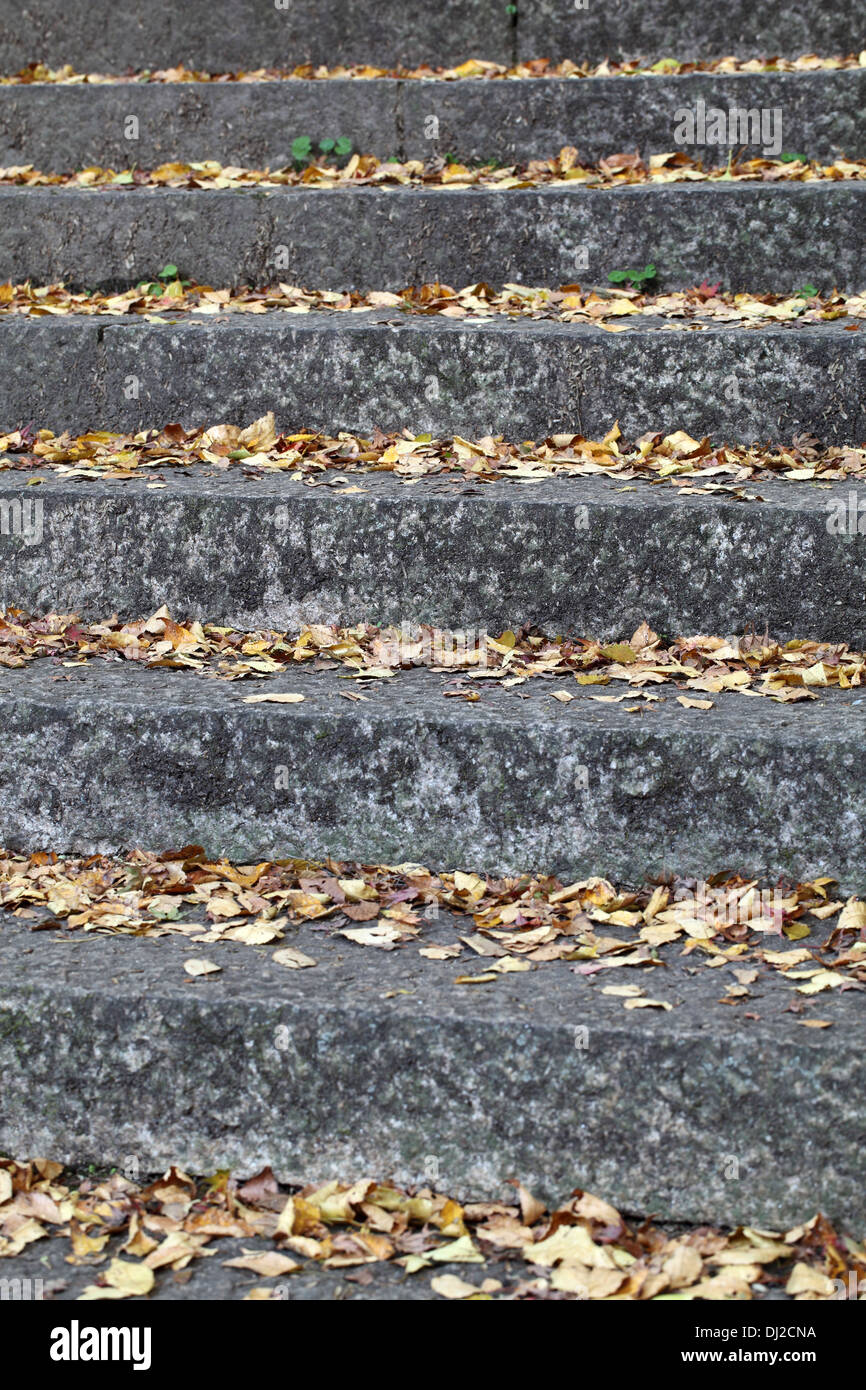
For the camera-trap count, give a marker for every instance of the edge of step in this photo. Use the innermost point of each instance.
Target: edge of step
(106, 756)
(57, 127)
(226, 34)
(370, 238)
(107, 1049)
(576, 554)
(354, 372)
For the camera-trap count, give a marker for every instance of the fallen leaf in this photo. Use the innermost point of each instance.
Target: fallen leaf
(196, 965)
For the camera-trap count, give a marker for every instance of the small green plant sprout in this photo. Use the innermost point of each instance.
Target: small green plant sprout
(303, 151)
(340, 147)
(808, 292)
(638, 279)
(167, 282)
(794, 158)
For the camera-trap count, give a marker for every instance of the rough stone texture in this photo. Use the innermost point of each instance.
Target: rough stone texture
(111, 756)
(604, 115)
(374, 1064)
(220, 34)
(50, 365)
(62, 128)
(250, 123)
(519, 379)
(668, 28)
(224, 35)
(581, 555)
(745, 234)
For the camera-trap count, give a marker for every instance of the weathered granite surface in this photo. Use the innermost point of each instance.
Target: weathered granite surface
(220, 34)
(592, 556)
(66, 127)
(523, 379)
(375, 1064)
(747, 235)
(111, 756)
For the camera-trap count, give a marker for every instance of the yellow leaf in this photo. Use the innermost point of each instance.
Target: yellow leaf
(804, 1279)
(853, 915)
(572, 1245)
(357, 890)
(132, 1280)
(292, 958)
(198, 966)
(821, 980)
(452, 1286)
(460, 1251)
(281, 699)
(267, 1263)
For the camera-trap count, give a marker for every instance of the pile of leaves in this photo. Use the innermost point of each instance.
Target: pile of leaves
(128, 1233)
(362, 170)
(311, 457)
(472, 68)
(749, 665)
(514, 924)
(172, 295)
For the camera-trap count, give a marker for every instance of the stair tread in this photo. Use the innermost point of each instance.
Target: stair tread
(390, 370)
(364, 238)
(55, 126)
(104, 756)
(224, 33)
(125, 1060)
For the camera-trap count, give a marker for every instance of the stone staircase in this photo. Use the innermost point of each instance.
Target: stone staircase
(105, 1050)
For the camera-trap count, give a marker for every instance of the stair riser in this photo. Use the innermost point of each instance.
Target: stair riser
(667, 27)
(106, 1053)
(745, 235)
(225, 34)
(59, 128)
(579, 557)
(519, 380)
(122, 757)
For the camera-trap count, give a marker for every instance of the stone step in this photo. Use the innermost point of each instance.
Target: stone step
(228, 34)
(743, 233)
(56, 127)
(700, 1113)
(105, 756)
(585, 555)
(522, 379)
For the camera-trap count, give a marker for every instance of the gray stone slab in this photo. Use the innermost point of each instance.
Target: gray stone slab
(820, 114)
(224, 35)
(111, 756)
(254, 124)
(374, 1064)
(584, 556)
(356, 371)
(667, 28)
(744, 234)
